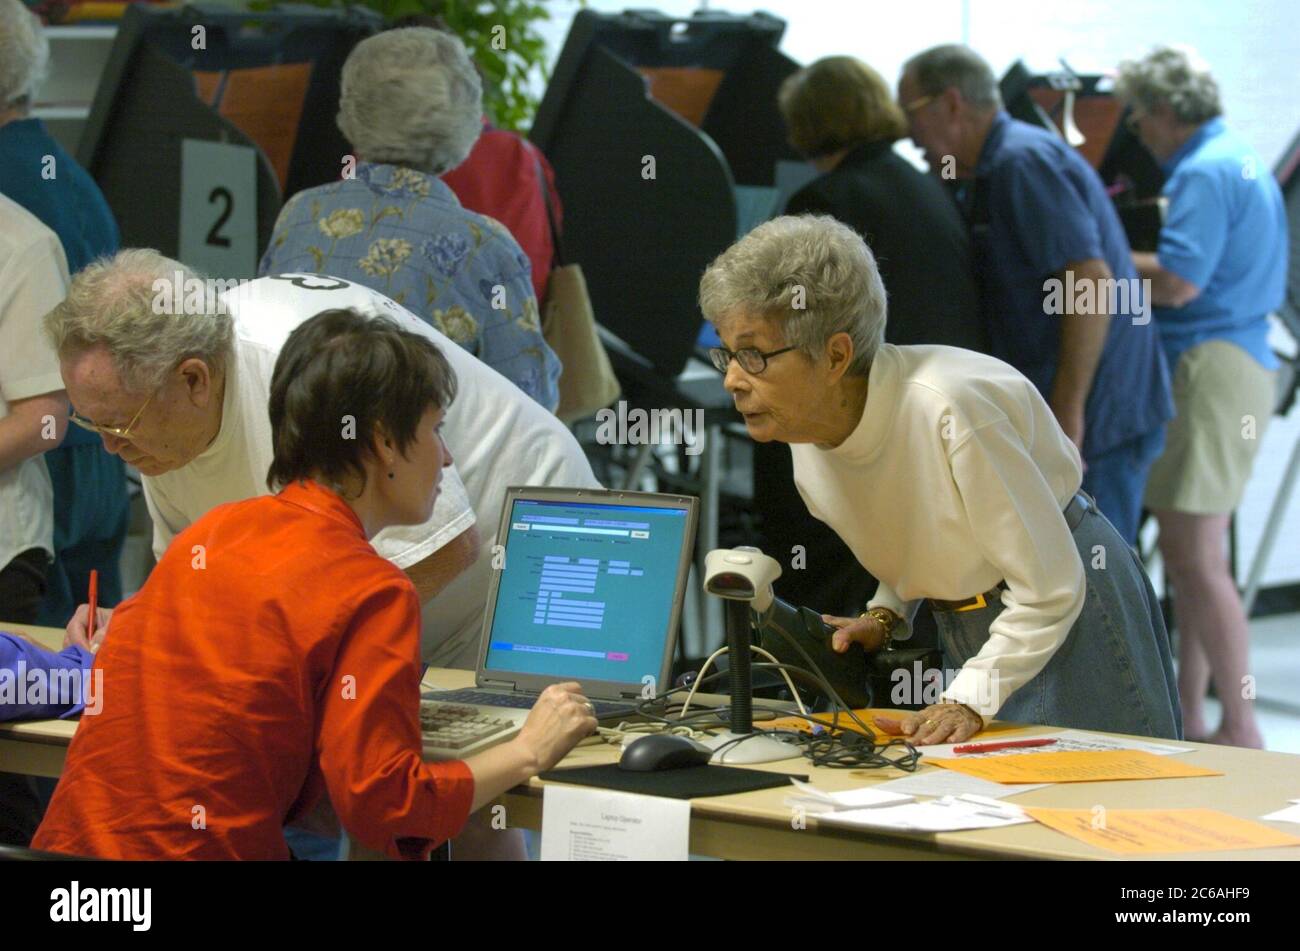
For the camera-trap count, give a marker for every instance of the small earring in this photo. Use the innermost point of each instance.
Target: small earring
(390, 475)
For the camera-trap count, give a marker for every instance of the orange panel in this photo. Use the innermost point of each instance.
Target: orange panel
(265, 103)
(1096, 117)
(687, 91)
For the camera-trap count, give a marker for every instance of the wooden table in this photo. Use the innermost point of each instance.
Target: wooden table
(758, 825)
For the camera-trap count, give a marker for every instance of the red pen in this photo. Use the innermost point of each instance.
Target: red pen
(1008, 745)
(90, 617)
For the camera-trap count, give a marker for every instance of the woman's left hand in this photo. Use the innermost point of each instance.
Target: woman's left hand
(938, 723)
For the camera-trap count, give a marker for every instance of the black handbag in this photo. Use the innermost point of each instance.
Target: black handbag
(896, 678)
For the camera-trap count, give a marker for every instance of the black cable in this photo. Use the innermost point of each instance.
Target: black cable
(838, 748)
(831, 693)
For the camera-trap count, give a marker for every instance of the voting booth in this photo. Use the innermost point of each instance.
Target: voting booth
(205, 117)
(659, 130)
(667, 145)
(1083, 110)
(1288, 176)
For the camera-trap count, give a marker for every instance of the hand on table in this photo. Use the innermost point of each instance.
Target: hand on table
(76, 630)
(937, 723)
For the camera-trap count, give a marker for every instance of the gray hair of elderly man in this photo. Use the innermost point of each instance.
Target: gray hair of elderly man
(954, 65)
(810, 274)
(1172, 75)
(129, 304)
(24, 55)
(411, 97)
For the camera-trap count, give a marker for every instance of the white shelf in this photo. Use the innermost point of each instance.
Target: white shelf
(59, 33)
(61, 113)
(78, 54)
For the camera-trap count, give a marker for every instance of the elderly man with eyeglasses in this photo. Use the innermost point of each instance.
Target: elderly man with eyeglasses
(1058, 288)
(948, 477)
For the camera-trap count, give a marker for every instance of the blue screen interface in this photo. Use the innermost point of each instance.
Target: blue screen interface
(587, 590)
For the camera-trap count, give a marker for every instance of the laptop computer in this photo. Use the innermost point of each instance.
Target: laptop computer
(588, 586)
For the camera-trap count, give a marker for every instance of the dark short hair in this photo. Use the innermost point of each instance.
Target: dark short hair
(338, 375)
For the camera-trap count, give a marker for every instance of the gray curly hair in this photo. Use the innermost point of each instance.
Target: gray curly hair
(811, 274)
(24, 55)
(126, 303)
(1173, 75)
(411, 97)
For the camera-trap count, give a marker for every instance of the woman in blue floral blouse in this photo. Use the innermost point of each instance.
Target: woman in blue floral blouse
(411, 106)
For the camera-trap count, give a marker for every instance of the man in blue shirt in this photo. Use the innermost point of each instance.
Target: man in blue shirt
(1218, 270)
(90, 500)
(1058, 287)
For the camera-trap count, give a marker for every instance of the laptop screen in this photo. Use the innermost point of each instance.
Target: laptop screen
(587, 590)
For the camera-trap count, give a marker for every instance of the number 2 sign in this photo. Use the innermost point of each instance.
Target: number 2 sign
(218, 226)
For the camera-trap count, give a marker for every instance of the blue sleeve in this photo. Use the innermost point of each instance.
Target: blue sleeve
(1195, 230)
(39, 684)
(1049, 215)
(511, 341)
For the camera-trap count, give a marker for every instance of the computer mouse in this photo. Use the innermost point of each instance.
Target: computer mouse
(663, 751)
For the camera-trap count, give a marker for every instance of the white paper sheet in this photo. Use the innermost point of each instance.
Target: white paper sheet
(600, 825)
(947, 814)
(811, 799)
(1289, 814)
(947, 782)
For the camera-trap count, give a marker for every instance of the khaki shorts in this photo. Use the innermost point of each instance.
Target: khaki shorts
(1223, 399)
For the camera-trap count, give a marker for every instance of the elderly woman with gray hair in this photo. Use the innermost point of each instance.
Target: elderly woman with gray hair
(948, 477)
(410, 104)
(1217, 272)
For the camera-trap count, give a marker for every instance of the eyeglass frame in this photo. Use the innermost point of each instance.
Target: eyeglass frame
(118, 432)
(917, 104)
(722, 357)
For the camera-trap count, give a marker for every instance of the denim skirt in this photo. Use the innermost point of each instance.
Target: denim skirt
(1115, 670)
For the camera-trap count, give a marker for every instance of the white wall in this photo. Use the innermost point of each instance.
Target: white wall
(1253, 47)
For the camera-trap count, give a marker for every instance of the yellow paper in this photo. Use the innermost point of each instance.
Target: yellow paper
(1155, 831)
(1075, 767)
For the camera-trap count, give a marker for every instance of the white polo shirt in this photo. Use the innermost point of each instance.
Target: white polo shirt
(33, 279)
(498, 437)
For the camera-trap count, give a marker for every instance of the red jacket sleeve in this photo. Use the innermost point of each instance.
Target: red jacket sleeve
(385, 795)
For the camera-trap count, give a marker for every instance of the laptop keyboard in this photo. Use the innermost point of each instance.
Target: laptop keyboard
(602, 708)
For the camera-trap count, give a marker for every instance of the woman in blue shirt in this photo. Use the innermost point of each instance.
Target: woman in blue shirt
(1219, 269)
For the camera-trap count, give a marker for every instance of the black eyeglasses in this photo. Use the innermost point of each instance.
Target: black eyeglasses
(751, 359)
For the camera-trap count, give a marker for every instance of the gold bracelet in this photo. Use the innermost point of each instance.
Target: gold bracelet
(888, 620)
